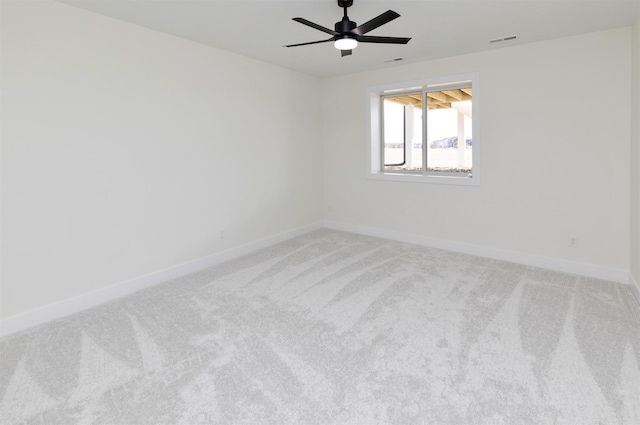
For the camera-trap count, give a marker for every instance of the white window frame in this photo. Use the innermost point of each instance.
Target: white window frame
(374, 167)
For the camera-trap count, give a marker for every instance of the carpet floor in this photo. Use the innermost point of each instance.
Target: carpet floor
(336, 328)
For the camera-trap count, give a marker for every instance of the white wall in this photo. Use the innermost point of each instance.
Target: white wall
(555, 129)
(635, 154)
(125, 151)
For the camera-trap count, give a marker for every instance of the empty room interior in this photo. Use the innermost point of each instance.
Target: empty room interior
(379, 212)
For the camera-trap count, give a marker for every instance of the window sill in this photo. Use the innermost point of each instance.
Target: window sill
(424, 178)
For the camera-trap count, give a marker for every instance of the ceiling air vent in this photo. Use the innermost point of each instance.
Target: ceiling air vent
(507, 38)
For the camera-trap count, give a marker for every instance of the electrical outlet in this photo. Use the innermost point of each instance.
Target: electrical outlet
(222, 234)
(573, 241)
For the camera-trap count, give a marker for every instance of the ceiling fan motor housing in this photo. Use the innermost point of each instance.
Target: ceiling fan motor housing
(345, 26)
(345, 3)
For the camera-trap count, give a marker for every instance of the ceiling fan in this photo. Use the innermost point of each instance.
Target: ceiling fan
(347, 34)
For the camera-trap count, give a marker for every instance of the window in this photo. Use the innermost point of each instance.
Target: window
(425, 131)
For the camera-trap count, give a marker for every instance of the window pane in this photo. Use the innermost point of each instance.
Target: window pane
(448, 122)
(402, 120)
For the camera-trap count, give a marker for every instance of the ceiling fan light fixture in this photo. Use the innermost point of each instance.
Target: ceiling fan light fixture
(346, 43)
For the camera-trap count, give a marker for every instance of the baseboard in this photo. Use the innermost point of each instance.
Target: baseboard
(582, 269)
(74, 305)
(636, 288)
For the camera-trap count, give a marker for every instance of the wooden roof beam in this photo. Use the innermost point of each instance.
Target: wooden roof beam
(437, 104)
(438, 95)
(417, 97)
(414, 100)
(442, 96)
(459, 95)
(456, 94)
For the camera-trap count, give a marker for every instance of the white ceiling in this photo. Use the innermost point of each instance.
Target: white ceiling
(259, 28)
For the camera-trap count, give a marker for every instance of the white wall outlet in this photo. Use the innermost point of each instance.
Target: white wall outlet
(222, 233)
(573, 241)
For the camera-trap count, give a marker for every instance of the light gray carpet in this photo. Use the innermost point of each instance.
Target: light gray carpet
(335, 328)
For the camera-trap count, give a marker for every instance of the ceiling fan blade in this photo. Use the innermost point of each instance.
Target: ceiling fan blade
(387, 16)
(344, 53)
(373, 39)
(316, 26)
(311, 42)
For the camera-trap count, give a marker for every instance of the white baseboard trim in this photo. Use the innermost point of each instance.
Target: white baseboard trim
(572, 267)
(60, 309)
(74, 305)
(636, 287)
